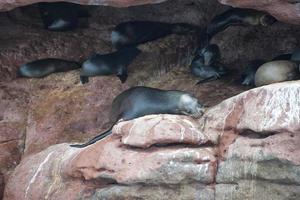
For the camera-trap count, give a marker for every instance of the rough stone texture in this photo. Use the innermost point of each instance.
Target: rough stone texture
(241, 152)
(60, 170)
(70, 113)
(257, 189)
(184, 191)
(13, 121)
(11, 4)
(284, 10)
(162, 130)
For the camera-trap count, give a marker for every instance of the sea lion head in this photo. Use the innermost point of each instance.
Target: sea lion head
(267, 20)
(189, 105)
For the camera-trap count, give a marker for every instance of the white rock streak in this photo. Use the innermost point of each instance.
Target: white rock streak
(36, 173)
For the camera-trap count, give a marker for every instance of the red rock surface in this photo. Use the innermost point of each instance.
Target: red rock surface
(38, 113)
(284, 10)
(253, 136)
(111, 161)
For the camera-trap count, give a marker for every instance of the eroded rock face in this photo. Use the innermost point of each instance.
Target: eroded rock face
(129, 166)
(13, 121)
(233, 151)
(284, 10)
(38, 113)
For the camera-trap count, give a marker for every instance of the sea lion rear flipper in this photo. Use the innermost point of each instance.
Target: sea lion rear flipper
(122, 74)
(92, 141)
(84, 79)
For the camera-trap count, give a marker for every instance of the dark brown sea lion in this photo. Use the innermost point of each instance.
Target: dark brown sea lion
(108, 64)
(140, 101)
(138, 32)
(249, 74)
(238, 17)
(206, 64)
(43, 67)
(61, 16)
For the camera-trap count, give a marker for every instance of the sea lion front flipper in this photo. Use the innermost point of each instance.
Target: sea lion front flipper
(92, 141)
(84, 79)
(122, 74)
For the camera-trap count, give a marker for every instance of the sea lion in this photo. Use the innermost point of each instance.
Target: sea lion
(205, 64)
(140, 101)
(249, 74)
(108, 64)
(61, 16)
(43, 67)
(139, 32)
(295, 57)
(276, 71)
(240, 17)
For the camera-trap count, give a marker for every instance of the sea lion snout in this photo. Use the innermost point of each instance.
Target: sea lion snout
(267, 20)
(200, 110)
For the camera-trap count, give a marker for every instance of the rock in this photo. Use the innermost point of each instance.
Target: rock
(9, 5)
(13, 119)
(184, 191)
(159, 130)
(283, 10)
(2, 184)
(65, 172)
(231, 152)
(257, 189)
(71, 112)
(38, 113)
(259, 137)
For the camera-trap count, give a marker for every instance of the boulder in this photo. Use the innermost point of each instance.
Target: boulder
(111, 165)
(245, 147)
(284, 10)
(13, 119)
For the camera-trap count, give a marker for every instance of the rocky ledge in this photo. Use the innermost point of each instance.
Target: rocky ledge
(284, 10)
(246, 147)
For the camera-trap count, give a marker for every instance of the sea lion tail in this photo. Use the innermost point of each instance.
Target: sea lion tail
(95, 139)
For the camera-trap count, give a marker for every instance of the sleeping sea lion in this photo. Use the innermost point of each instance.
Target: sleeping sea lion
(108, 64)
(61, 16)
(43, 67)
(276, 71)
(139, 32)
(238, 17)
